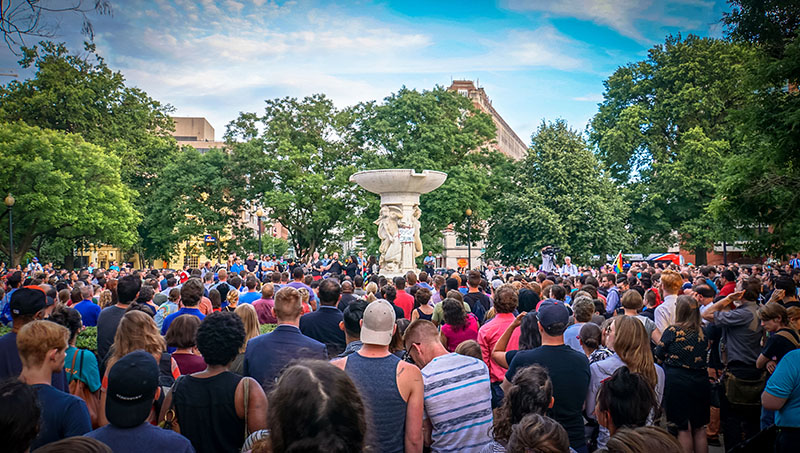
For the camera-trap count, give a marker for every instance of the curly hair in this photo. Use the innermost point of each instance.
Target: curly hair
(530, 393)
(69, 318)
(454, 313)
(314, 407)
(219, 337)
(506, 299)
(538, 433)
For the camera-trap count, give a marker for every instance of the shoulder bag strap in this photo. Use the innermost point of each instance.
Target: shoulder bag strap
(246, 400)
(72, 367)
(789, 337)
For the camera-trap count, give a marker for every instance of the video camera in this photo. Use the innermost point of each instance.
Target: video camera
(551, 250)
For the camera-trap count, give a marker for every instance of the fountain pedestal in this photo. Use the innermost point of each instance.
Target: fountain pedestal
(398, 223)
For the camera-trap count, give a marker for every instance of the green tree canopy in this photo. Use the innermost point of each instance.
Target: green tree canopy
(562, 198)
(298, 157)
(437, 130)
(663, 130)
(759, 192)
(197, 195)
(64, 188)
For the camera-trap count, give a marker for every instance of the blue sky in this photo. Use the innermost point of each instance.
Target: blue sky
(537, 59)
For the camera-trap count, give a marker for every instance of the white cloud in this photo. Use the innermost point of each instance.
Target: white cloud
(589, 98)
(626, 17)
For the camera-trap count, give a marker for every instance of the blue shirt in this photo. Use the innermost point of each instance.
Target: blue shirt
(612, 299)
(144, 437)
(5, 308)
(249, 297)
(785, 383)
(183, 311)
(63, 415)
(236, 268)
(89, 312)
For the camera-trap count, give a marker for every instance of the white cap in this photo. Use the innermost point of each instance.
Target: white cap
(378, 325)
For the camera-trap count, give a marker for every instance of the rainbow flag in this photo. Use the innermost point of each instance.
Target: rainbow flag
(618, 263)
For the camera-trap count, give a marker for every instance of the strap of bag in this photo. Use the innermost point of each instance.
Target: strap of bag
(246, 399)
(72, 367)
(789, 337)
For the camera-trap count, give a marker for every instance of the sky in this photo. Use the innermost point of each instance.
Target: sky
(537, 59)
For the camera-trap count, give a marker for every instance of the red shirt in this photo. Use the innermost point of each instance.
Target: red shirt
(728, 289)
(406, 302)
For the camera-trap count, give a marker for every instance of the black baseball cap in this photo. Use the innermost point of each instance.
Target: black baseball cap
(552, 311)
(132, 385)
(28, 300)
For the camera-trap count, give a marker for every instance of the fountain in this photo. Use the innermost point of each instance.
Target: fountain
(398, 223)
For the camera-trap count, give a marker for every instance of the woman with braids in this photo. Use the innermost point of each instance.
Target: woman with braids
(210, 408)
(531, 392)
(458, 325)
(628, 338)
(687, 395)
(314, 408)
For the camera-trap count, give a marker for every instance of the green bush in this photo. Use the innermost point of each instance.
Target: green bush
(87, 339)
(4, 330)
(267, 328)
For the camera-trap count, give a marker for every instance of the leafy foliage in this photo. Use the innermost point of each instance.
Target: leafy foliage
(298, 158)
(562, 198)
(64, 188)
(663, 131)
(759, 192)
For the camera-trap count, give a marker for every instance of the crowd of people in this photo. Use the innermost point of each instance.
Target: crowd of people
(516, 359)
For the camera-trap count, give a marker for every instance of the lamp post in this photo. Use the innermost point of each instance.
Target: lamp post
(468, 212)
(9, 201)
(259, 213)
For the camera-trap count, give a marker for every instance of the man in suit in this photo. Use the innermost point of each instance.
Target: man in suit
(323, 324)
(268, 354)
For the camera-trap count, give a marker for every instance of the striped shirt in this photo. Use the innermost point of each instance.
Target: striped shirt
(458, 402)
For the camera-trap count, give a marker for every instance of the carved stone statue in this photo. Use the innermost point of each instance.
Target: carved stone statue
(388, 232)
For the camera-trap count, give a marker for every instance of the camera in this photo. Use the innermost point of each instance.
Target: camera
(551, 250)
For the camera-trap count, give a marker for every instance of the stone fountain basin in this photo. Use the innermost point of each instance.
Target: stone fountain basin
(399, 180)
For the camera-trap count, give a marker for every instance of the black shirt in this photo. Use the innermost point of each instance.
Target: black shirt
(335, 267)
(251, 265)
(569, 372)
(778, 346)
(314, 267)
(107, 323)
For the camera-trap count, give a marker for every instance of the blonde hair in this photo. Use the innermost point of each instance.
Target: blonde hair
(105, 298)
(250, 319)
(470, 348)
(137, 330)
(233, 297)
(633, 347)
(304, 295)
(372, 288)
(37, 338)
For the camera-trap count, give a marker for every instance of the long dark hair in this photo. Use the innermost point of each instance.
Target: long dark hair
(529, 335)
(314, 407)
(628, 398)
(530, 393)
(454, 313)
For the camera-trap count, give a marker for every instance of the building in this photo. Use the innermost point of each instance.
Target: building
(456, 252)
(507, 141)
(195, 132)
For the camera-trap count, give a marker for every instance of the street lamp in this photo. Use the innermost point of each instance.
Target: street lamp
(9, 201)
(259, 213)
(468, 212)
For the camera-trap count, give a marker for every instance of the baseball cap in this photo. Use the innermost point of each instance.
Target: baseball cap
(132, 385)
(28, 300)
(378, 324)
(552, 311)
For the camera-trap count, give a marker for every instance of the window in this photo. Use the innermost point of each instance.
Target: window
(191, 261)
(463, 92)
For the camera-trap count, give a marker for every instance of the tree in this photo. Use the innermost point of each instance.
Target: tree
(562, 198)
(437, 130)
(21, 18)
(196, 195)
(663, 130)
(64, 188)
(759, 193)
(80, 94)
(298, 158)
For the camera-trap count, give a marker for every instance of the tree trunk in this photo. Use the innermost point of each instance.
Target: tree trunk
(700, 256)
(69, 262)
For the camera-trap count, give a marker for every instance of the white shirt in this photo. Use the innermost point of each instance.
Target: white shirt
(665, 313)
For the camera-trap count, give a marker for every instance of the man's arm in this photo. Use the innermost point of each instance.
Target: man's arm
(772, 403)
(721, 304)
(411, 379)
